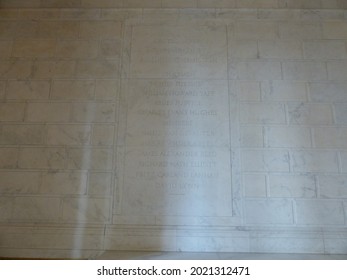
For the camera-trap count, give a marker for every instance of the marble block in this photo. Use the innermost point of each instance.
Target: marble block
(179, 52)
(176, 156)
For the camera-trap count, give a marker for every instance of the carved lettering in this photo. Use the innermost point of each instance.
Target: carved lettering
(177, 138)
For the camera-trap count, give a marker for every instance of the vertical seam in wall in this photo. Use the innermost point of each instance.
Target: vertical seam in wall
(25, 114)
(267, 185)
(323, 240)
(327, 70)
(317, 184)
(103, 244)
(290, 161)
(51, 81)
(295, 218)
(228, 61)
(114, 178)
(286, 113)
(313, 137)
(339, 161)
(45, 135)
(229, 110)
(88, 183)
(5, 87)
(258, 57)
(308, 92)
(302, 48)
(333, 110)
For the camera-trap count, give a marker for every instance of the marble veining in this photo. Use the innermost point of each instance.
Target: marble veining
(193, 126)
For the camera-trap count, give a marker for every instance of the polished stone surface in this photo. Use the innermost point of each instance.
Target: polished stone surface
(114, 255)
(150, 127)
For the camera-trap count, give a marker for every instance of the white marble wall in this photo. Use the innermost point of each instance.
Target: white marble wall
(72, 84)
(261, 4)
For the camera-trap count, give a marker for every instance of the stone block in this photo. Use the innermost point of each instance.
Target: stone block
(337, 70)
(8, 158)
(257, 70)
(33, 48)
(6, 208)
(293, 185)
(86, 210)
(42, 158)
(327, 49)
(248, 91)
(103, 135)
(107, 89)
(314, 161)
(310, 114)
(217, 3)
(256, 30)
(304, 70)
(268, 211)
(22, 134)
(283, 91)
(99, 183)
(262, 113)
(19, 182)
(15, 69)
(320, 212)
(335, 30)
(332, 186)
(5, 49)
(251, 136)
(110, 48)
(73, 90)
(299, 30)
(93, 112)
(12, 112)
(265, 160)
(254, 185)
(36, 208)
(330, 137)
(328, 92)
(66, 29)
(98, 68)
(340, 110)
(100, 29)
(91, 159)
(63, 183)
(287, 136)
(280, 49)
(48, 112)
(77, 49)
(68, 135)
(243, 49)
(27, 90)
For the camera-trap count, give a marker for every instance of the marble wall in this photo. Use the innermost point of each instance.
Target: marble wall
(267, 4)
(172, 129)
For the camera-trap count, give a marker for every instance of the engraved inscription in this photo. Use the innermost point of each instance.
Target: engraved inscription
(178, 181)
(177, 132)
(177, 148)
(177, 113)
(178, 52)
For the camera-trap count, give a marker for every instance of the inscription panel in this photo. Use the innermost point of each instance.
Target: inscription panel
(180, 113)
(177, 132)
(179, 52)
(177, 181)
